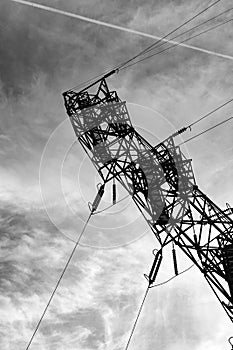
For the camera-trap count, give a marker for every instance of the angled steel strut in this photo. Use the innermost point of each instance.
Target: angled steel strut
(161, 182)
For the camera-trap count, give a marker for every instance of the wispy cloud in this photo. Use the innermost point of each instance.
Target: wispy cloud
(98, 299)
(117, 27)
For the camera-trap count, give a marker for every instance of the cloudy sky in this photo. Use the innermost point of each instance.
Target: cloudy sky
(46, 181)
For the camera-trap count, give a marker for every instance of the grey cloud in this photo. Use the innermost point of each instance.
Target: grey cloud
(34, 254)
(53, 48)
(43, 54)
(72, 323)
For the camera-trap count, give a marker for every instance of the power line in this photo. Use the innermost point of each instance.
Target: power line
(90, 80)
(203, 132)
(143, 301)
(170, 279)
(138, 315)
(195, 27)
(150, 47)
(110, 206)
(153, 46)
(58, 282)
(201, 118)
(99, 212)
(177, 44)
(208, 114)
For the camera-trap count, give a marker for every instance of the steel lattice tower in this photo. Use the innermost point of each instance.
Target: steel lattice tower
(161, 182)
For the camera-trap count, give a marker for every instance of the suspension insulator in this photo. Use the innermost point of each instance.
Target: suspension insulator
(175, 261)
(155, 267)
(181, 131)
(114, 192)
(98, 198)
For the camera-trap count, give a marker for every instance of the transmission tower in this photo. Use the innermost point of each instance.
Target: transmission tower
(161, 181)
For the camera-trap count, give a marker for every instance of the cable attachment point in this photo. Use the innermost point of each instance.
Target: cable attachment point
(181, 131)
(155, 267)
(93, 206)
(230, 340)
(110, 73)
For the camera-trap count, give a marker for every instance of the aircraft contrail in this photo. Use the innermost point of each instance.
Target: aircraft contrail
(114, 26)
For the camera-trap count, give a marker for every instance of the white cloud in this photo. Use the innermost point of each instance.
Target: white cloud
(97, 301)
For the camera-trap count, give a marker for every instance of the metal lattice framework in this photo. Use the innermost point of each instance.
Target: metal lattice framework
(161, 182)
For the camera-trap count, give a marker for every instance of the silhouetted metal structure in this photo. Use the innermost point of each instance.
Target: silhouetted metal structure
(161, 182)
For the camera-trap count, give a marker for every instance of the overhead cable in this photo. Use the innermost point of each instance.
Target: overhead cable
(150, 47)
(170, 279)
(180, 131)
(143, 301)
(211, 112)
(192, 28)
(58, 282)
(177, 44)
(206, 130)
(124, 65)
(165, 36)
(137, 317)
